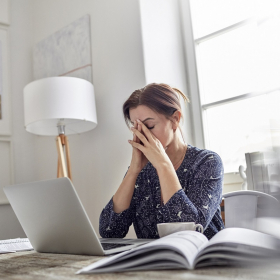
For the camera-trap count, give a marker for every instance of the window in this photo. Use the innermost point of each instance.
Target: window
(237, 57)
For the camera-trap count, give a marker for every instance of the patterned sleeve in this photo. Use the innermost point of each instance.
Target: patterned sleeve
(115, 225)
(201, 201)
(112, 224)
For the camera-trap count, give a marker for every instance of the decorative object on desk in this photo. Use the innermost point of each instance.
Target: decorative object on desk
(263, 171)
(243, 176)
(191, 250)
(275, 134)
(255, 172)
(67, 52)
(60, 105)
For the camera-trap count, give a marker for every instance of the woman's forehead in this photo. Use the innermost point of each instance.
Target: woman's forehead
(143, 113)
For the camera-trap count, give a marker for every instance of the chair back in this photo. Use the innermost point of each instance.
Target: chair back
(241, 208)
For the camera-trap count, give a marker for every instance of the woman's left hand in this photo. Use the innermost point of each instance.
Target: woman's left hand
(151, 147)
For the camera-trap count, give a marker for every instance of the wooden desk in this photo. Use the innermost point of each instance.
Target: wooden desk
(37, 266)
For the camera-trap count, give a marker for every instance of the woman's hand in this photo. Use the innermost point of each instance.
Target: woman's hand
(151, 148)
(138, 160)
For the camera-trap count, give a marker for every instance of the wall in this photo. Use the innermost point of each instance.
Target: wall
(10, 227)
(21, 74)
(163, 49)
(24, 161)
(100, 157)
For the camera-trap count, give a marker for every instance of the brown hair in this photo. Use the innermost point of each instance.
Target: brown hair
(161, 98)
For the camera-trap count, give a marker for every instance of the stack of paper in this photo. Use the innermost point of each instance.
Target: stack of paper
(15, 245)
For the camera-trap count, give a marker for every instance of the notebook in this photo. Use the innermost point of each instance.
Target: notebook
(55, 221)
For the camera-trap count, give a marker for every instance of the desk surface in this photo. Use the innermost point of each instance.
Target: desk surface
(32, 265)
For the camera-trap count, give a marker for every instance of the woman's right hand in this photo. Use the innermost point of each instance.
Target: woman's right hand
(138, 160)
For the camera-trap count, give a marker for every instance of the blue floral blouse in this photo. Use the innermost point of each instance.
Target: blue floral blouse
(201, 178)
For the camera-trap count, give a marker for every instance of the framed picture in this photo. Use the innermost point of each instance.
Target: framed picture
(67, 52)
(5, 115)
(6, 167)
(5, 12)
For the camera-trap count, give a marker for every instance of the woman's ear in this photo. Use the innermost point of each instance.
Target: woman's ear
(176, 117)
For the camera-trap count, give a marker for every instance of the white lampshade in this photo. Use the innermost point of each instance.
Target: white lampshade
(59, 101)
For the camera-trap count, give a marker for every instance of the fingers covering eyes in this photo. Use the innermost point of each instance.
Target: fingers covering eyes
(146, 131)
(140, 136)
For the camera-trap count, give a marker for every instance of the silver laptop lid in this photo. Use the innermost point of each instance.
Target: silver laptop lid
(53, 217)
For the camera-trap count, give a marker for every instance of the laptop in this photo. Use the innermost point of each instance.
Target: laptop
(55, 221)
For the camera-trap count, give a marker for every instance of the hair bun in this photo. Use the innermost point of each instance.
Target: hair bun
(186, 99)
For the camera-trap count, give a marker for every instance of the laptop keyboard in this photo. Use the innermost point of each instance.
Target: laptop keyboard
(108, 246)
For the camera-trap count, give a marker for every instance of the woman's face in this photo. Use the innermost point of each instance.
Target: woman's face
(158, 124)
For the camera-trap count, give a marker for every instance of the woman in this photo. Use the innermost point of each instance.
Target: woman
(167, 180)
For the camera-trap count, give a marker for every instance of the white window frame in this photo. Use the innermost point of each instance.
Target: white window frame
(198, 109)
(230, 179)
(192, 75)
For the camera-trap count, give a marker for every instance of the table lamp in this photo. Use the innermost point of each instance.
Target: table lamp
(57, 106)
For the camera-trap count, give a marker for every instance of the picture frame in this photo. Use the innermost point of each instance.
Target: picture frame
(6, 167)
(67, 52)
(5, 87)
(5, 14)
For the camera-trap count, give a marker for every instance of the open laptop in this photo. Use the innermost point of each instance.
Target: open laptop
(55, 220)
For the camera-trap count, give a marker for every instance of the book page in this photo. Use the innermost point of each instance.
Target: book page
(178, 249)
(143, 261)
(246, 237)
(187, 243)
(239, 241)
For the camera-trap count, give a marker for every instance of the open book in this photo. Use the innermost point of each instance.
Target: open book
(191, 249)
